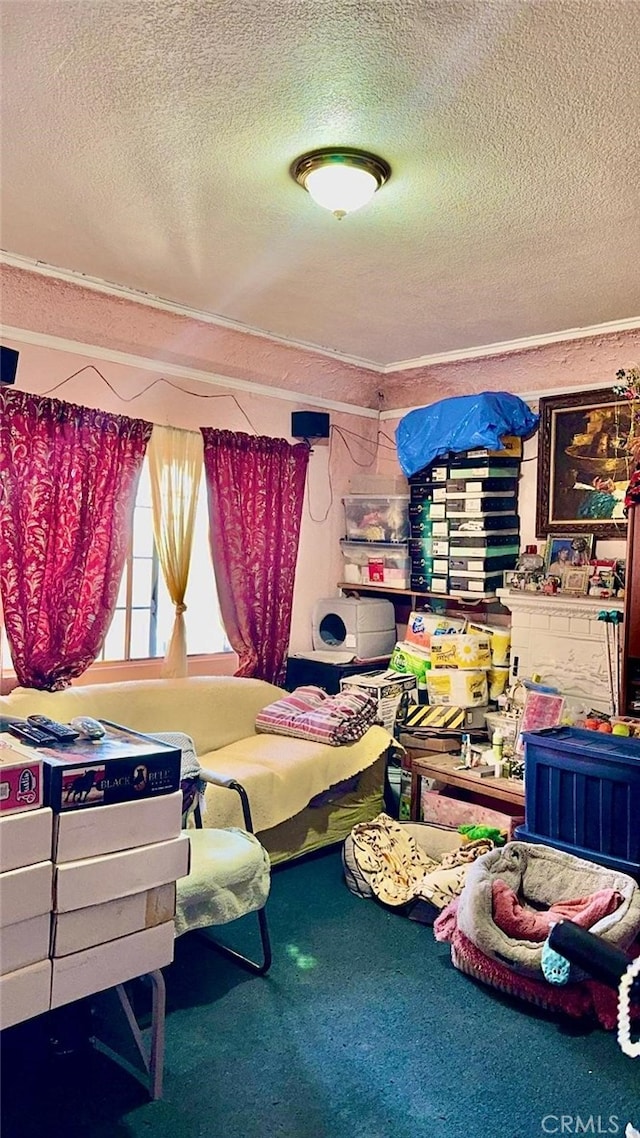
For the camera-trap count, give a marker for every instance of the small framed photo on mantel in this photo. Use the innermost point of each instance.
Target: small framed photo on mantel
(567, 551)
(575, 582)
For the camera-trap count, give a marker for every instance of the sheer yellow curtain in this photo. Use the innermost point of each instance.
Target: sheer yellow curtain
(175, 466)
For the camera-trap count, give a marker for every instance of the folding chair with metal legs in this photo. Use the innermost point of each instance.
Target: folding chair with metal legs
(251, 864)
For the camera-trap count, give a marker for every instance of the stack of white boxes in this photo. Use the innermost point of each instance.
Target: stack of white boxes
(87, 896)
(114, 893)
(26, 874)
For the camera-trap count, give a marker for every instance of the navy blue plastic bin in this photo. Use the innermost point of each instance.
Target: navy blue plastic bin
(582, 795)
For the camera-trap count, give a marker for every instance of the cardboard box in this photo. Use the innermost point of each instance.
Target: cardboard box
(444, 718)
(93, 880)
(123, 766)
(79, 834)
(105, 965)
(25, 893)
(25, 839)
(386, 687)
(429, 744)
(20, 776)
(24, 943)
(84, 928)
(469, 651)
(25, 993)
(446, 810)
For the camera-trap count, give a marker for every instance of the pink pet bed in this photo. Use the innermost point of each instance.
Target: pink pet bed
(588, 998)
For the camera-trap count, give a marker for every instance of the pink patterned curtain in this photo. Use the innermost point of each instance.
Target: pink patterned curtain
(68, 479)
(255, 489)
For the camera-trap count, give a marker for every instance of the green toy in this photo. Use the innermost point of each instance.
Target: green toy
(472, 833)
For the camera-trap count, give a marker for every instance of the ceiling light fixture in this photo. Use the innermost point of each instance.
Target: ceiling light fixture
(340, 179)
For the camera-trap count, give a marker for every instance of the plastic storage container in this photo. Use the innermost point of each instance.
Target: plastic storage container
(582, 793)
(367, 561)
(377, 518)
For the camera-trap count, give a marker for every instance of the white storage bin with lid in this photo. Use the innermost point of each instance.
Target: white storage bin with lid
(381, 518)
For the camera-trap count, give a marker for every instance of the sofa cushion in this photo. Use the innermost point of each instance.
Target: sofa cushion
(281, 774)
(213, 710)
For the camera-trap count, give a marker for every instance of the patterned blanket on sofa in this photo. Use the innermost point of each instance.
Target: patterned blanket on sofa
(309, 713)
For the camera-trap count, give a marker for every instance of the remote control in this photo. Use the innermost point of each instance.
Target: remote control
(32, 735)
(59, 731)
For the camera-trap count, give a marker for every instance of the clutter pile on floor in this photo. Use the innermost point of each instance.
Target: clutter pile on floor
(496, 903)
(404, 863)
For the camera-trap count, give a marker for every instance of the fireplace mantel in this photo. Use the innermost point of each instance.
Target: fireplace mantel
(561, 639)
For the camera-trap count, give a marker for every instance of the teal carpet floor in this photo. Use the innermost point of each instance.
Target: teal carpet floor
(362, 1029)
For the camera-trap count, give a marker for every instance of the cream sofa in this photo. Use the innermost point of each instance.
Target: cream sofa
(282, 775)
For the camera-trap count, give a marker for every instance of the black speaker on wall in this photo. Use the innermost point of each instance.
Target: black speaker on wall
(310, 424)
(8, 365)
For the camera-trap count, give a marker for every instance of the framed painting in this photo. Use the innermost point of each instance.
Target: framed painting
(584, 464)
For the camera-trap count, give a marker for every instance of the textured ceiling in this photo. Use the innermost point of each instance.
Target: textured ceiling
(148, 144)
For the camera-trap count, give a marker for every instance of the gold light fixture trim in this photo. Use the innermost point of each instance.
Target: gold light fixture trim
(339, 178)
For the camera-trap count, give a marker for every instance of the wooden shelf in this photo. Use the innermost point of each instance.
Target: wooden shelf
(354, 587)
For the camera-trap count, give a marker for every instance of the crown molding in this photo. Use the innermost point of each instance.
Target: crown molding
(123, 292)
(159, 367)
(527, 396)
(526, 343)
(483, 351)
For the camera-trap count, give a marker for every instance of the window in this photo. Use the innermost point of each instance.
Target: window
(144, 615)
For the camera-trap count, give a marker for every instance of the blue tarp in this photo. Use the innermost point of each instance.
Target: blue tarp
(461, 423)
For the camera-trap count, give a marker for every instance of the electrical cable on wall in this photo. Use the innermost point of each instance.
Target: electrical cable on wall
(139, 394)
(341, 432)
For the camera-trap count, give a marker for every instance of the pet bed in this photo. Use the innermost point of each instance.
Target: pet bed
(540, 876)
(587, 998)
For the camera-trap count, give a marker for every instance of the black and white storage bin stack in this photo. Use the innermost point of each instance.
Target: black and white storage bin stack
(464, 524)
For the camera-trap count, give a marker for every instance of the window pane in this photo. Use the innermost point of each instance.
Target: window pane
(122, 595)
(143, 495)
(204, 625)
(140, 622)
(114, 645)
(5, 653)
(142, 582)
(164, 619)
(142, 533)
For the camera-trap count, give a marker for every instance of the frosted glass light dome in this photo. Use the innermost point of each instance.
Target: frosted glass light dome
(341, 181)
(342, 189)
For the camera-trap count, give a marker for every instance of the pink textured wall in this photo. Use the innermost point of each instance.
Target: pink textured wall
(189, 404)
(44, 304)
(570, 366)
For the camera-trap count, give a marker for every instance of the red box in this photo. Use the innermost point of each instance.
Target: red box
(376, 570)
(20, 778)
(445, 810)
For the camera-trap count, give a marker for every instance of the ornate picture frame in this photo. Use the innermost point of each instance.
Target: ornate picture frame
(583, 464)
